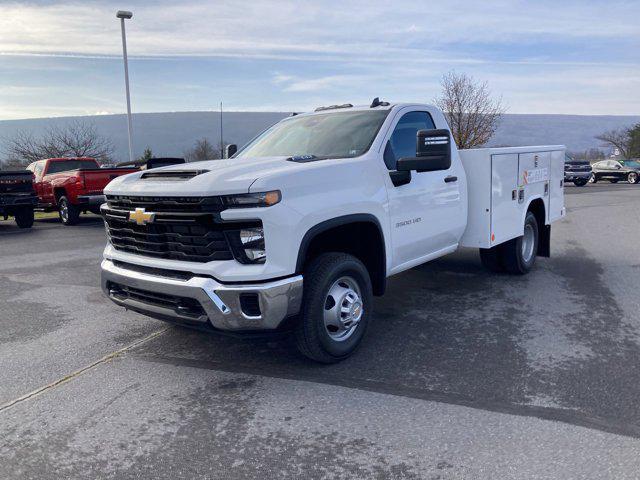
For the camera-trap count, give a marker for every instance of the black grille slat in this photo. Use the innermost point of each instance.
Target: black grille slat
(166, 204)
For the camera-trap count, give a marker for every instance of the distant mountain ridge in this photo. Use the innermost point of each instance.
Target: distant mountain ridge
(171, 133)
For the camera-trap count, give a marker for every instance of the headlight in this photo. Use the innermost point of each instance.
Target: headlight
(247, 245)
(247, 200)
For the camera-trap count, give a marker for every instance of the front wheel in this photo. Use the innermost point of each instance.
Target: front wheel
(24, 218)
(593, 178)
(580, 182)
(519, 254)
(337, 305)
(69, 213)
(633, 177)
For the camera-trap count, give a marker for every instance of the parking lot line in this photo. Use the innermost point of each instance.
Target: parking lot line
(81, 371)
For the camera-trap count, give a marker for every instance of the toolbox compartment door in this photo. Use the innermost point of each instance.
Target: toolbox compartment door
(556, 200)
(505, 219)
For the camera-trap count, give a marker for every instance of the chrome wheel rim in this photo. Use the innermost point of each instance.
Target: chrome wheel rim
(633, 177)
(343, 309)
(64, 211)
(528, 243)
(592, 178)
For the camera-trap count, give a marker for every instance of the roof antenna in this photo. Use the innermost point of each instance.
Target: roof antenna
(377, 103)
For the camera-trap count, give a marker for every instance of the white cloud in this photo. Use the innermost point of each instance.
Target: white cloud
(352, 28)
(575, 56)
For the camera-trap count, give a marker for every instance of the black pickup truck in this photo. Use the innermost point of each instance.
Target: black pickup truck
(17, 197)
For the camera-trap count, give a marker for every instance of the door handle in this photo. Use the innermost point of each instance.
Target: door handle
(450, 179)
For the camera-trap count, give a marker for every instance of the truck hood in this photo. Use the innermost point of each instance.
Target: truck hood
(212, 177)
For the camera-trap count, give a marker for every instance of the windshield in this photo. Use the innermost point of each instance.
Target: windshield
(328, 135)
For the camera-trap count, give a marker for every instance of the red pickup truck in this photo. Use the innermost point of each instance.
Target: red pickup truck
(72, 185)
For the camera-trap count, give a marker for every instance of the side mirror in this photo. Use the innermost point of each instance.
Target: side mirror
(231, 150)
(433, 152)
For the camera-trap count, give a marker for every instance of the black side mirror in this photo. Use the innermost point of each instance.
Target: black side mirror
(433, 152)
(231, 150)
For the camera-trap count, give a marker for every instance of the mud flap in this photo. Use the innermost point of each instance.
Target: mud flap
(544, 242)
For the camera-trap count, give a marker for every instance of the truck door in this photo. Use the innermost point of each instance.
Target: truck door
(426, 214)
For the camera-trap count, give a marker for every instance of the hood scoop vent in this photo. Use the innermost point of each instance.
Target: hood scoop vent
(175, 175)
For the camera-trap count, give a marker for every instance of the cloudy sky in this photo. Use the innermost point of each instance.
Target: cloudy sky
(61, 58)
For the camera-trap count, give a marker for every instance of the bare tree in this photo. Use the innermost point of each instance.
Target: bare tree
(76, 139)
(202, 150)
(472, 113)
(627, 140)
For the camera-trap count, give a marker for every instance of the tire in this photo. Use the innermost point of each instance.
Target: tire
(593, 179)
(24, 218)
(331, 280)
(580, 183)
(68, 212)
(519, 254)
(491, 259)
(633, 178)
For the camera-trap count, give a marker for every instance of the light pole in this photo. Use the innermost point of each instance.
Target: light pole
(122, 15)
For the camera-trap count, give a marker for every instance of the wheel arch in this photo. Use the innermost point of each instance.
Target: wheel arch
(346, 234)
(59, 192)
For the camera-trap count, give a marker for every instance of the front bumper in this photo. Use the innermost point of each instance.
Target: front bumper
(92, 200)
(202, 301)
(571, 176)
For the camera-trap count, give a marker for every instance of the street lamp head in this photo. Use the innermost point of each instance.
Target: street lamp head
(124, 14)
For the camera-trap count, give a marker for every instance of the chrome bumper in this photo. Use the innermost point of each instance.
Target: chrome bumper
(165, 298)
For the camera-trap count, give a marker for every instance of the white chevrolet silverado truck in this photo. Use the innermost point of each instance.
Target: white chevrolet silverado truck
(302, 226)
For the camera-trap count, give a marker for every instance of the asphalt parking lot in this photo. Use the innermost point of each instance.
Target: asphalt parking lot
(465, 374)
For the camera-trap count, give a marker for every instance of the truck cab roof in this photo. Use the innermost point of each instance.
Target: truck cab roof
(354, 108)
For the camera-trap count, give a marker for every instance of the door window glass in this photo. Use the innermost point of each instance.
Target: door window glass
(403, 139)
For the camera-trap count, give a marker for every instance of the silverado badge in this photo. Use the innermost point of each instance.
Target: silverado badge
(141, 217)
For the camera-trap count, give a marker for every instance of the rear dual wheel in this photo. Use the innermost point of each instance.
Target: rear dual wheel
(517, 256)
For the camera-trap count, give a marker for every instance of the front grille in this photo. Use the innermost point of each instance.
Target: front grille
(183, 228)
(184, 306)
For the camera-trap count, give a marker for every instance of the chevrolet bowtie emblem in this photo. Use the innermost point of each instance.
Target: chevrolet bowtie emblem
(141, 217)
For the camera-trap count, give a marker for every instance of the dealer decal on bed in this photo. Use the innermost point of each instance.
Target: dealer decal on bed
(535, 176)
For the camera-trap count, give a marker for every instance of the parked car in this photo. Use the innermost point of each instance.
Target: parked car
(17, 197)
(72, 185)
(614, 171)
(576, 171)
(303, 226)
